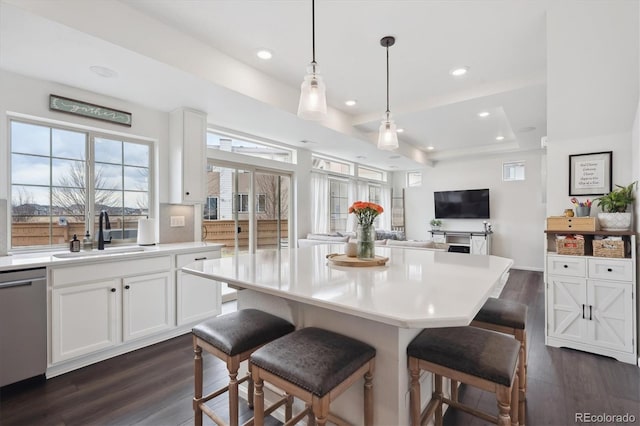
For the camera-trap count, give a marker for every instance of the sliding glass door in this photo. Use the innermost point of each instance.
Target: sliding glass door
(272, 210)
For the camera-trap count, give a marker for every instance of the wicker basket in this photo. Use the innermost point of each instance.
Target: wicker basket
(608, 248)
(570, 246)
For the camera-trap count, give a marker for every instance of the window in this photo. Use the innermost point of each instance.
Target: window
(211, 208)
(375, 196)
(57, 191)
(243, 203)
(372, 174)
(322, 163)
(247, 147)
(338, 205)
(513, 170)
(414, 179)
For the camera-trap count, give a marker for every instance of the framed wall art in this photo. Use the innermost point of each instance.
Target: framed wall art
(590, 174)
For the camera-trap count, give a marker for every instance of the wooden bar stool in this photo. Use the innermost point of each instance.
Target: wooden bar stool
(233, 338)
(509, 317)
(470, 355)
(316, 366)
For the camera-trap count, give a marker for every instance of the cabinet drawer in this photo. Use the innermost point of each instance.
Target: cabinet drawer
(105, 270)
(610, 269)
(185, 259)
(567, 265)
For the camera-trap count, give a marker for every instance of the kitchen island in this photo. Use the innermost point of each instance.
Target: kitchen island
(385, 306)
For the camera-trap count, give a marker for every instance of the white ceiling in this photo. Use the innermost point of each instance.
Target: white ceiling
(201, 54)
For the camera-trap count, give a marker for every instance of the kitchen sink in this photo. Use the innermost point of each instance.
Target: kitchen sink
(105, 252)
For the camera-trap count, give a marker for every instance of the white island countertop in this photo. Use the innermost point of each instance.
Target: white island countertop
(415, 289)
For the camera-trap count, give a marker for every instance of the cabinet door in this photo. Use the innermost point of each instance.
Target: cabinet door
(611, 314)
(84, 319)
(566, 298)
(147, 305)
(198, 298)
(194, 160)
(479, 244)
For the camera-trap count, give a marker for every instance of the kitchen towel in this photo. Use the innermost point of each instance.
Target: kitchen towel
(146, 232)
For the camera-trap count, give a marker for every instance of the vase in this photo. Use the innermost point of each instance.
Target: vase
(366, 235)
(614, 221)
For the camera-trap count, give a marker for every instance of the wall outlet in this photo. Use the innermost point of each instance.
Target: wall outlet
(177, 221)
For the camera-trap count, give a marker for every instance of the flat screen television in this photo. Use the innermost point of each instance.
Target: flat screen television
(464, 204)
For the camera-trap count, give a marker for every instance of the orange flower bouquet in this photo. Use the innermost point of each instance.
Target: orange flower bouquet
(365, 212)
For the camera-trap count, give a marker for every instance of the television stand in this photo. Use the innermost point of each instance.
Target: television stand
(478, 242)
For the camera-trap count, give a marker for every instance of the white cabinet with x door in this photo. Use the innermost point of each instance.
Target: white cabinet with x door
(590, 304)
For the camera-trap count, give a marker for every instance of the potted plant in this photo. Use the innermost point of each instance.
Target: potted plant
(614, 216)
(435, 224)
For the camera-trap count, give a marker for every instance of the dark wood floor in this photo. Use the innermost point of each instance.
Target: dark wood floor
(153, 386)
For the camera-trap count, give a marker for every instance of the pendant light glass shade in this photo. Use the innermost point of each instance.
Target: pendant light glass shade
(313, 101)
(388, 136)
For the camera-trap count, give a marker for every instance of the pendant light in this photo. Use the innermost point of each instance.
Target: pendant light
(388, 136)
(313, 102)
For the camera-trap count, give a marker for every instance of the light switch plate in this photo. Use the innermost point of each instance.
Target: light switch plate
(177, 221)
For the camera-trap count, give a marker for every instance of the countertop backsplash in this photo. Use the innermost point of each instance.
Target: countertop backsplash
(179, 234)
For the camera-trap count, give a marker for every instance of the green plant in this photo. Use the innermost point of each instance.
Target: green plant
(435, 222)
(617, 200)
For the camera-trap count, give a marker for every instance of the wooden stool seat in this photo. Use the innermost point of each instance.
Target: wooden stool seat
(316, 366)
(233, 338)
(509, 317)
(480, 358)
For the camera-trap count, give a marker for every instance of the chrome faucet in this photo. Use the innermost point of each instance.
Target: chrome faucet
(107, 226)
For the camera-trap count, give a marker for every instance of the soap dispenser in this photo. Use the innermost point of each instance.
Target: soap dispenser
(74, 244)
(87, 243)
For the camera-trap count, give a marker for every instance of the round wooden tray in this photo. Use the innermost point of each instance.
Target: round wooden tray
(344, 260)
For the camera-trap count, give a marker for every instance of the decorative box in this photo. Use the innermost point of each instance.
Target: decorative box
(572, 224)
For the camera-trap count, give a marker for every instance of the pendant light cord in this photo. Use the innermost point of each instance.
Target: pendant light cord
(313, 34)
(388, 82)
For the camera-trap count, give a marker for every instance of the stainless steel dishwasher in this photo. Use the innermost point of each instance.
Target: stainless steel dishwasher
(23, 324)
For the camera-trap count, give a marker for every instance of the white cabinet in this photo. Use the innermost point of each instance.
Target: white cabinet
(147, 305)
(89, 315)
(478, 242)
(590, 303)
(84, 319)
(187, 156)
(197, 298)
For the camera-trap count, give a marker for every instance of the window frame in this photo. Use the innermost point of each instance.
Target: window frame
(415, 172)
(91, 134)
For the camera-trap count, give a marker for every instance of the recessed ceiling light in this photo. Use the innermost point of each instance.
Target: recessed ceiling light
(400, 130)
(431, 148)
(483, 114)
(499, 138)
(459, 71)
(103, 71)
(264, 54)
(350, 102)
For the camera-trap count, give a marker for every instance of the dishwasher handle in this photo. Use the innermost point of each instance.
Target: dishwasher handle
(17, 283)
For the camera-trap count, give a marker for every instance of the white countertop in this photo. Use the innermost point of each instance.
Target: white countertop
(416, 289)
(48, 258)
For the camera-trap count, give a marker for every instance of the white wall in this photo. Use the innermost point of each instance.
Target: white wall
(517, 209)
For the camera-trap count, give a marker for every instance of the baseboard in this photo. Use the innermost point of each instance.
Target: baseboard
(528, 268)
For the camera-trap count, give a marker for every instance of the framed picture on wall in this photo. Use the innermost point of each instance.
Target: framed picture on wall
(590, 174)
